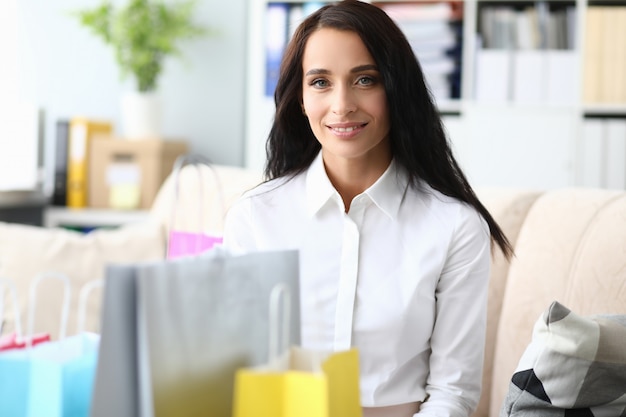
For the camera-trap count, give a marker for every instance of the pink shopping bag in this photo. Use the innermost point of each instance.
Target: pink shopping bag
(188, 243)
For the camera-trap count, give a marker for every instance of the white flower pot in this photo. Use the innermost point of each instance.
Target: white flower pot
(141, 116)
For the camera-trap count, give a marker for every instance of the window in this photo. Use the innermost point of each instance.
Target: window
(20, 137)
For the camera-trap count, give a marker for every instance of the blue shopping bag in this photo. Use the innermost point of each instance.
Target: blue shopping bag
(53, 379)
(50, 379)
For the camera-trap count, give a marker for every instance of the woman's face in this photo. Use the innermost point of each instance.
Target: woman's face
(344, 97)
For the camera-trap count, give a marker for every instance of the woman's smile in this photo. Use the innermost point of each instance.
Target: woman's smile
(347, 129)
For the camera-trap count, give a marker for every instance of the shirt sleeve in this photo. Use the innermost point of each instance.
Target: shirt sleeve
(458, 337)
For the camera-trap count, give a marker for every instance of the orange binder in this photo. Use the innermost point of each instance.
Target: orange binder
(82, 132)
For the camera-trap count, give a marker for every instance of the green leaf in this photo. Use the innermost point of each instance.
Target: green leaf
(142, 34)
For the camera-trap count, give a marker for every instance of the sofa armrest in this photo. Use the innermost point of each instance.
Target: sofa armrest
(509, 207)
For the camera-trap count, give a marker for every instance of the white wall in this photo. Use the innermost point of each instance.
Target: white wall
(70, 72)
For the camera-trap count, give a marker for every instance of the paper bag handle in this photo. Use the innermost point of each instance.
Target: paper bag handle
(83, 295)
(276, 342)
(16, 310)
(194, 159)
(65, 310)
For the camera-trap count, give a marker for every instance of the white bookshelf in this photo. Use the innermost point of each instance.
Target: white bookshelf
(534, 143)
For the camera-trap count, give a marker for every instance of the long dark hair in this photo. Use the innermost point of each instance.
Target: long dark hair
(417, 136)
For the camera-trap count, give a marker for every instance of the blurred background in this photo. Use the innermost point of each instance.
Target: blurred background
(49, 59)
(513, 81)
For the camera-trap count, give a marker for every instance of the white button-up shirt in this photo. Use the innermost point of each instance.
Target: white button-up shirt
(402, 276)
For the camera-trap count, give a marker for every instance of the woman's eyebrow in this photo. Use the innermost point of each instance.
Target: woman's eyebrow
(320, 71)
(317, 71)
(366, 67)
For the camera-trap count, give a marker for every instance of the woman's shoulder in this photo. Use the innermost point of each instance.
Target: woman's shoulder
(449, 207)
(434, 197)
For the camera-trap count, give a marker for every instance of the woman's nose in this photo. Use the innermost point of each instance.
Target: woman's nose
(343, 101)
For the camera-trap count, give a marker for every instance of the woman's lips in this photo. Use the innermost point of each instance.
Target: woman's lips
(346, 130)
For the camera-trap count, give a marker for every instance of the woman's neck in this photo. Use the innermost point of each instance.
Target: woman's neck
(351, 177)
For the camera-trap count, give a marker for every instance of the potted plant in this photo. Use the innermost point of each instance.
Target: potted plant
(142, 34)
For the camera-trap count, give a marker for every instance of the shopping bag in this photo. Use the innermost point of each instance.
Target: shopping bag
(184, 242)
(52, 379)
(300, 382)
(174, 332)
(15, 339)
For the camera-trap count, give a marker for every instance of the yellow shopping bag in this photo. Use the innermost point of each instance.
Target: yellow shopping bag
(301, 383)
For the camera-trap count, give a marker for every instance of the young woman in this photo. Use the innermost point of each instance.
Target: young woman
(394, 245)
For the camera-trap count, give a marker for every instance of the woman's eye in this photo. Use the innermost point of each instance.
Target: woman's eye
(319, 83)
(366, 80)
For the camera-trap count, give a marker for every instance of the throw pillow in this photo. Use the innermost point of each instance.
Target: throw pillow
(575, 366)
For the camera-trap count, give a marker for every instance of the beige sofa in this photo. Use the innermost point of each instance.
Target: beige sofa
(570, 247)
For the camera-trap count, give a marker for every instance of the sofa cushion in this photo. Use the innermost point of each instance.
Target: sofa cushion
(28, 251)
(574, 365)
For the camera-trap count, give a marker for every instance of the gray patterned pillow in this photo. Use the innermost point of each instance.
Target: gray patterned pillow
(574, 367)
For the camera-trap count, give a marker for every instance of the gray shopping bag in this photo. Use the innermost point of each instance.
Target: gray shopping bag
(174, 332)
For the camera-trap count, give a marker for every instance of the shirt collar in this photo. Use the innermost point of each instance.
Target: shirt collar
(319, 189)
(387, 192)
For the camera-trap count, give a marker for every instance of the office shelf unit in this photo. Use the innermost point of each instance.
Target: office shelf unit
(524, 115)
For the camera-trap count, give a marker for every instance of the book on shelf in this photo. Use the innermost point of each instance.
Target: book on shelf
(616, 153)
(423, 11)
(543, 20)
(277, 21)
(82, 131)
(620, 62)
(535, 27)
(544, 76)
(592, 55)
(59, 192)
(609, 55)
(493, 75)
(528, 83)
(526, 29)
(532, 49)
(434, 31)
(604, 59)
(602, 153)
(561, 79)
(589, 163)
